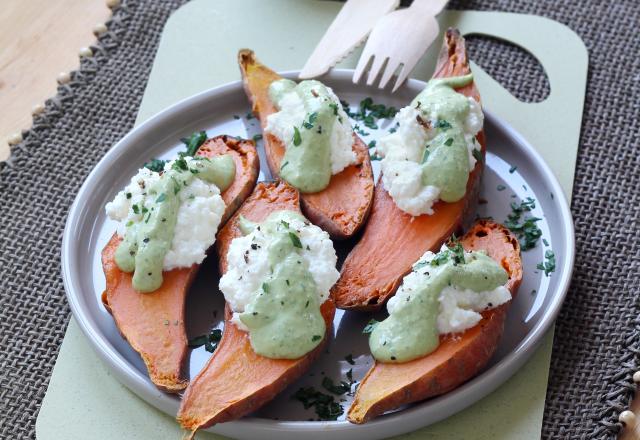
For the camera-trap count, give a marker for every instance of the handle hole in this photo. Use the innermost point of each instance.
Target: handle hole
(512, 66)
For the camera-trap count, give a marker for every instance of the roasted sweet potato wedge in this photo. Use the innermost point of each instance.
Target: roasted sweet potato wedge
(459, 357)
(236, 381)
(341, 208)
(153, 323)
(374, 268)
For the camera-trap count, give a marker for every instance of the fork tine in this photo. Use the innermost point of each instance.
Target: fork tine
(377, 66)
(404, 73)
(391, 68)
(363, 63)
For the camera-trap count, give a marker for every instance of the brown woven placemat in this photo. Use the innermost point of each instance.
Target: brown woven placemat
(596, 347)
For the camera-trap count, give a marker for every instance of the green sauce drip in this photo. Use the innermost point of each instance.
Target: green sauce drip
(446, 163)
(411, 330)
(147, 241)
(306, 164)
(284, 320)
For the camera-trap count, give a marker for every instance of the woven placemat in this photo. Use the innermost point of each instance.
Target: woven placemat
(596, 347)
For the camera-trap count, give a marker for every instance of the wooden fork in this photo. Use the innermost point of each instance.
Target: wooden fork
(398, 41)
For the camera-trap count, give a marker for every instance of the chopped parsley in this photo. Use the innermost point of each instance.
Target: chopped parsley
(135, 208)
(257, 137)
(546, 243)
(339, 389)
(249, 116)
(285, 223)
(448, 142)
(512, 169)
(549, 265)
(324, 404)
(349, 375)
(193, 142)
(455, 252)
(360, 131)
(525, 228)
(312, 119)
(180, 164)
(295, 240)
(128, 195)
(297, 139)
(265, 287)
(369, 112)
(349, 359)
(315, 338)
(477, 154)
(443, 125)
(209, 341)
(161, 198)
(376, 157)
(156, 165)
(370, 326)
(501, 187)
(372, 144)
(334, 107)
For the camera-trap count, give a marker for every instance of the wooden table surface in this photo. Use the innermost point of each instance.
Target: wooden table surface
(40, 39)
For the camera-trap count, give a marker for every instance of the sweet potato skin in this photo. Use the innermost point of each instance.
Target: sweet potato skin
(153, 323)
(341, 208)
(374, 269)
(247, 163)
(236, 381)
(458, 357)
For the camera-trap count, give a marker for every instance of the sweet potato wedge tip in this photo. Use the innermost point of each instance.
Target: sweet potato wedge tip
(374, 268)
(459, 357)
(153, 323)
(341, 208)
(236, 381)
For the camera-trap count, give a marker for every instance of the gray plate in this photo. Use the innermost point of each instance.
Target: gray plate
(216, 111)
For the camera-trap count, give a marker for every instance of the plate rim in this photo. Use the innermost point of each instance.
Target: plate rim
(409, 419)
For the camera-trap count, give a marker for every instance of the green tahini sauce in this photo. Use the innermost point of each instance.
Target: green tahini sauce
(445, 161)
(306, 164)
(147, 241)
(284, 319)
(411, 331)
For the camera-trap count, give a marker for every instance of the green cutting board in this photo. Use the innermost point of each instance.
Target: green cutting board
(84, 399)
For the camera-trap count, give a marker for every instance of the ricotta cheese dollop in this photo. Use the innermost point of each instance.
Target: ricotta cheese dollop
(444, 293)
(315, 131)
(200, 209)
(431, 153)
(249, 263)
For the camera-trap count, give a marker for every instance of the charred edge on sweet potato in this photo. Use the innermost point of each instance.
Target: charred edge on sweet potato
(236, 381)
(153, 323)
(374, 268)
(459, 357)
(340, 209)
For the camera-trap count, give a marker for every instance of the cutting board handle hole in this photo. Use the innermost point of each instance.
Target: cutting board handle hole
(525, 78)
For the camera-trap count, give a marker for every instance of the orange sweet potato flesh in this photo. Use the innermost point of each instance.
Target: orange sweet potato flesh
(153, 323)
(458, 357)
(343, 206)
(236, 381)
(392, 239)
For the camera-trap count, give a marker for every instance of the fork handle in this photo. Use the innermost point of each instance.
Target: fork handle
(432, 7)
